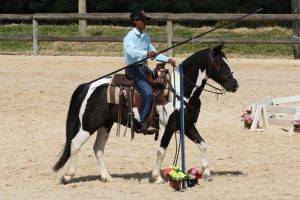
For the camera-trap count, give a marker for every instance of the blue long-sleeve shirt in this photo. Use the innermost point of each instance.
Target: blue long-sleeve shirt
(136, 46)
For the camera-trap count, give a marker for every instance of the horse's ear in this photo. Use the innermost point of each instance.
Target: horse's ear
(218, 49)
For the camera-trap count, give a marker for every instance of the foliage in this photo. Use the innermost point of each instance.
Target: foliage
(175, 6)
(172, 6)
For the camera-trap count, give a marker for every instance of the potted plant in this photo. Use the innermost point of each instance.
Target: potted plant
(247, 118)
(176, 176)
(296, 124)
(194, 175)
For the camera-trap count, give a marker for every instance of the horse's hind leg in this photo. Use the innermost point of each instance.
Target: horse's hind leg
(77, 142)
(194, 135)
(102, 137)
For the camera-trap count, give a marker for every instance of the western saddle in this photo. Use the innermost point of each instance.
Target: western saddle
(122, 88)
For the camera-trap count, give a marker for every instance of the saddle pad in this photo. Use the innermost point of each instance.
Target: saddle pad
(113, 95)
(115, 87)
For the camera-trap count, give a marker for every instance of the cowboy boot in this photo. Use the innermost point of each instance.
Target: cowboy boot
(147, 130)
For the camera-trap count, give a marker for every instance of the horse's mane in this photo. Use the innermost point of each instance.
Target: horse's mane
(199, 60)
(202, 55)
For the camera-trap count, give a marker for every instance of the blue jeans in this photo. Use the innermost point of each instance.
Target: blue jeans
(139, 77)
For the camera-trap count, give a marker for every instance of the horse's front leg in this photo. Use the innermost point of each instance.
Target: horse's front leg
(194, 135)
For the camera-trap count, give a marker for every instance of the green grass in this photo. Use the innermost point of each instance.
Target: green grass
(116, 49)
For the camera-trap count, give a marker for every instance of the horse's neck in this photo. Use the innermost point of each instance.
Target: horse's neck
(176, 84)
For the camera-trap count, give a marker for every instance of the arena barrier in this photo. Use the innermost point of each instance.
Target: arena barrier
(270, 111)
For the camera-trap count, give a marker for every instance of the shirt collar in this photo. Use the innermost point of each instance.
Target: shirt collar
(138, 33)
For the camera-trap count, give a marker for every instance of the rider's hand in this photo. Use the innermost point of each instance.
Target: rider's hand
(171, 61)
(151, 54)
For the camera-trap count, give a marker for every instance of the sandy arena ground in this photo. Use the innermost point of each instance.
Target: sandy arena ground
(35, 94)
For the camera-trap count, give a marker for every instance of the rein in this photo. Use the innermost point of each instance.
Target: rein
(221, 91)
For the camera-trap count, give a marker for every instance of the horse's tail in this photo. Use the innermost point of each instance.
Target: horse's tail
(73, 124)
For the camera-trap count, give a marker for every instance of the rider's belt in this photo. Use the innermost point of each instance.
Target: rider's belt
(140, 65)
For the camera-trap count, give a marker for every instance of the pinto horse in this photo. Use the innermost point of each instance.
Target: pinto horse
(89, 112)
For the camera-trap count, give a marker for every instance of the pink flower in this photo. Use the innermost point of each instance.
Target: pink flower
(247, 116)
(194, 173)
(296, 123)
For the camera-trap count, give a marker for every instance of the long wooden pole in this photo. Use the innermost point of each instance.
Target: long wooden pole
(296, 27)
(82, 23)
(181, 43)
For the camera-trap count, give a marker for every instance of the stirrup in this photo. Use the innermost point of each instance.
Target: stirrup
(149, 130)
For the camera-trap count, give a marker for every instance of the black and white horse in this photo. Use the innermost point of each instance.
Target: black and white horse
(89, 112)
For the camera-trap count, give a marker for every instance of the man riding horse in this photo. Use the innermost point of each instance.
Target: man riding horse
(137, 45)
(92, 111)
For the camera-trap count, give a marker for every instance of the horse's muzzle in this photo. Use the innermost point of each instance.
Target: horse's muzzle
(231, 85)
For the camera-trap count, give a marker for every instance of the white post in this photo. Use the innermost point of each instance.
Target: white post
(257, 116)
(82, 23)
(264, 117)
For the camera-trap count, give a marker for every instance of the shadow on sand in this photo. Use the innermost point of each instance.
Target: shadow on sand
(227, 173)
(147, 175)
(128, 176)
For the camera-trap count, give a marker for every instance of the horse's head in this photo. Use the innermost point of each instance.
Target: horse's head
(205, 64)
(219, 70)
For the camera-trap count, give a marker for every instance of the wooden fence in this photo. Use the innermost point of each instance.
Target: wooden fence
(169, 18)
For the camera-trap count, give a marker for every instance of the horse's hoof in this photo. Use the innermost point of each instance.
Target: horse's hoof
(66, 179)
(107, 178)
(207, 176)
(159, 180)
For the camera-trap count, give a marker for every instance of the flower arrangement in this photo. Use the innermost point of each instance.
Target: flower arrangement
(247, 118)
(296, 123)
(175, 175)
(194, 173)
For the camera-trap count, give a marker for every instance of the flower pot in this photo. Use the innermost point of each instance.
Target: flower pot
(297, 130)
(247, 125)
(192, 182)
(177, 185)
